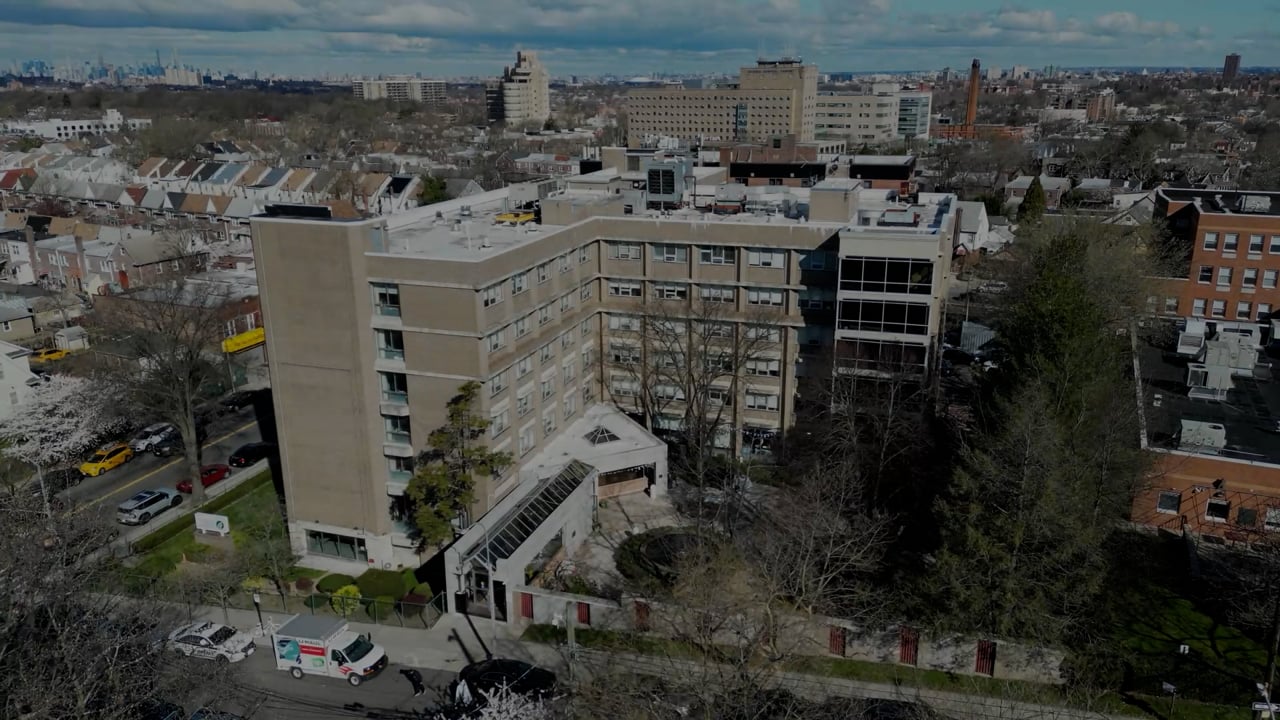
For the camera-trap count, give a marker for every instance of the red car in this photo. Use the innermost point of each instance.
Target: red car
(209, 474)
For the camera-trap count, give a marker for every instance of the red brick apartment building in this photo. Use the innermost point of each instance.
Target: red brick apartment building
(1234, 265)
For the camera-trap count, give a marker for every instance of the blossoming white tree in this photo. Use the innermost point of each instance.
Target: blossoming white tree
(505, 704)
(60, 419)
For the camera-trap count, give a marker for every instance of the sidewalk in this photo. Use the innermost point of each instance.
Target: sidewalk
(437, 649)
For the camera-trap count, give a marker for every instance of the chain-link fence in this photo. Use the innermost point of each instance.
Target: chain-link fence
(415, 611)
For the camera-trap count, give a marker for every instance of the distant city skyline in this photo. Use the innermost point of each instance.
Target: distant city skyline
(450, 38)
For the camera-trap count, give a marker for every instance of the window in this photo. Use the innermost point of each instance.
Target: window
(624, 354)
(1169, 502)
(584, 293)
(549, 420)
(668, 392)
(766, 258)
(570, 404)
(765, 297)
(524, 366)
(339, 546)
(584, 329)
(624, 323)
(670, 253)
(625, 251)
(719, 396)
(764, 332)
(815, 260)
(498, 420)
(670, 291)
(1264, 311)
(812, 298)
(1197, 307)
(544, 315)
(720, 330)
(763, 367)
(548, 386)
(526, 440)
(395, 387)
(522, 326)
(546, 352)
(400, 468)
(584, 254)
(1271, 520)
(1229, 242)
(1210, 241)
(566, 339)
(1206, 274)
(397, 429)
(544, 273)
(496, 340)
(717, 293)
(566, 303)
(1255, 244)
(497, 383)
(625, 289)
(1217, 510)
(887, 275)
(1224, 277)
(1274, 245)
(1219, 308)
(519, 283)
(588, 394)
(524, 402)
(565, 265)
(1250, 278)
(718, 255)
(492, 295)
(386, 299)
(1244, 311)
(622, 386)
(881, 316)
(1268, 278)
(390, 344)
(761, 401)
(1247, 517)
(667, 328)
(1171, 305)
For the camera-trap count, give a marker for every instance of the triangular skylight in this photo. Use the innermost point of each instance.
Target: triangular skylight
(600, 435)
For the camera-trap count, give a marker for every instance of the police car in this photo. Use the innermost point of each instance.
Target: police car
(212, 641)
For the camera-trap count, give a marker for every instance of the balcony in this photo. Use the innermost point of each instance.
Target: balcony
(395, 397)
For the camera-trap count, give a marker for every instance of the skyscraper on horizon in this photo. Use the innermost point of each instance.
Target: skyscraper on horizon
(1230, 67)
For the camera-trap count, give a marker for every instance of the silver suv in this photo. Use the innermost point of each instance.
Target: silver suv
(139, 509)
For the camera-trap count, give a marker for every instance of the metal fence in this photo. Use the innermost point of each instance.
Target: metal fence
(409, 611)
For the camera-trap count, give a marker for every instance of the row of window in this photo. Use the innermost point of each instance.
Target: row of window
(1225, 275)
(623, 386)
(1219, 510)
(635, 323)
(1230, 243)
(493, 294)
(1218, 308)
(708, 293)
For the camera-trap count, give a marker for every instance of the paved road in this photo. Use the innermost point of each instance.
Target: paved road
(146, 471)
(266, 694)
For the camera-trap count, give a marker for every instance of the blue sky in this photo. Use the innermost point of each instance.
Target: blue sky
(630, 37)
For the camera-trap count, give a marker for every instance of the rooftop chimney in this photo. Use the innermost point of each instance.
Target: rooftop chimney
(975, 81)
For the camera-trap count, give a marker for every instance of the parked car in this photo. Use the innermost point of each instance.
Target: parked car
(139, 509)
(48, 355)
(152, 435)
(246, 455)
(212, 641)
(486, 676)
(173, 445)
(209, 474)
(106, 458)
(237, 400)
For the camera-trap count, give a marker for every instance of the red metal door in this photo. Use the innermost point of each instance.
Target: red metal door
(584, 614)
(908, 645)
(642, 616)
(526, 605)
(835, 641)
(986, 661)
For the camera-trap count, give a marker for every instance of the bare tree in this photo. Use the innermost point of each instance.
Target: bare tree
(175, 333)
(268, 553)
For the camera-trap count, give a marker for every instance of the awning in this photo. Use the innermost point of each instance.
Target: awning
(506, 537)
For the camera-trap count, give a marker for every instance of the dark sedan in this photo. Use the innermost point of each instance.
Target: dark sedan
(246, 455)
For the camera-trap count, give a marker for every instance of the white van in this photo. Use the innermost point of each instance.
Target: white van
(311, 645)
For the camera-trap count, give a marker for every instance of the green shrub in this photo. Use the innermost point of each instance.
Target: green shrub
(345, 600)
(329, 584)
(376, 583)
(382, 607)
(423, 589)
(315, 602)
(409, 581)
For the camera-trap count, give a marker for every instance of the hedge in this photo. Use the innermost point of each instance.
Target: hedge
(330, 584)
(187, 523)
(376, 583)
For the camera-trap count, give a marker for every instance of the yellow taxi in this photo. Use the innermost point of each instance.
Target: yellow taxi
(48, 354)
(106, 458)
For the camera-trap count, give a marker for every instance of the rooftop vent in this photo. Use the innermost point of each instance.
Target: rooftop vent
(1255, 203)
(600, 435)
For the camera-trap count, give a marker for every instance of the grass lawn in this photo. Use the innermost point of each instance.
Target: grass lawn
(1152, 611)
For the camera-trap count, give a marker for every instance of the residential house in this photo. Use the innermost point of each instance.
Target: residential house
(17, 321)
(16, 378)
(1054, 189)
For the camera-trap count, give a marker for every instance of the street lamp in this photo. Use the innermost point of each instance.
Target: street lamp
(257, 605)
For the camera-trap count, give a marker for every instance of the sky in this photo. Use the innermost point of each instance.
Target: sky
(452, 38)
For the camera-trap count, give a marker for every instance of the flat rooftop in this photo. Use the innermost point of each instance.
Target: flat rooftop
(1228, 202)
(1248, 413)
(881, 159)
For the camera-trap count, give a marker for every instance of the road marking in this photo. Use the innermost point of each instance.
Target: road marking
(166, 466)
